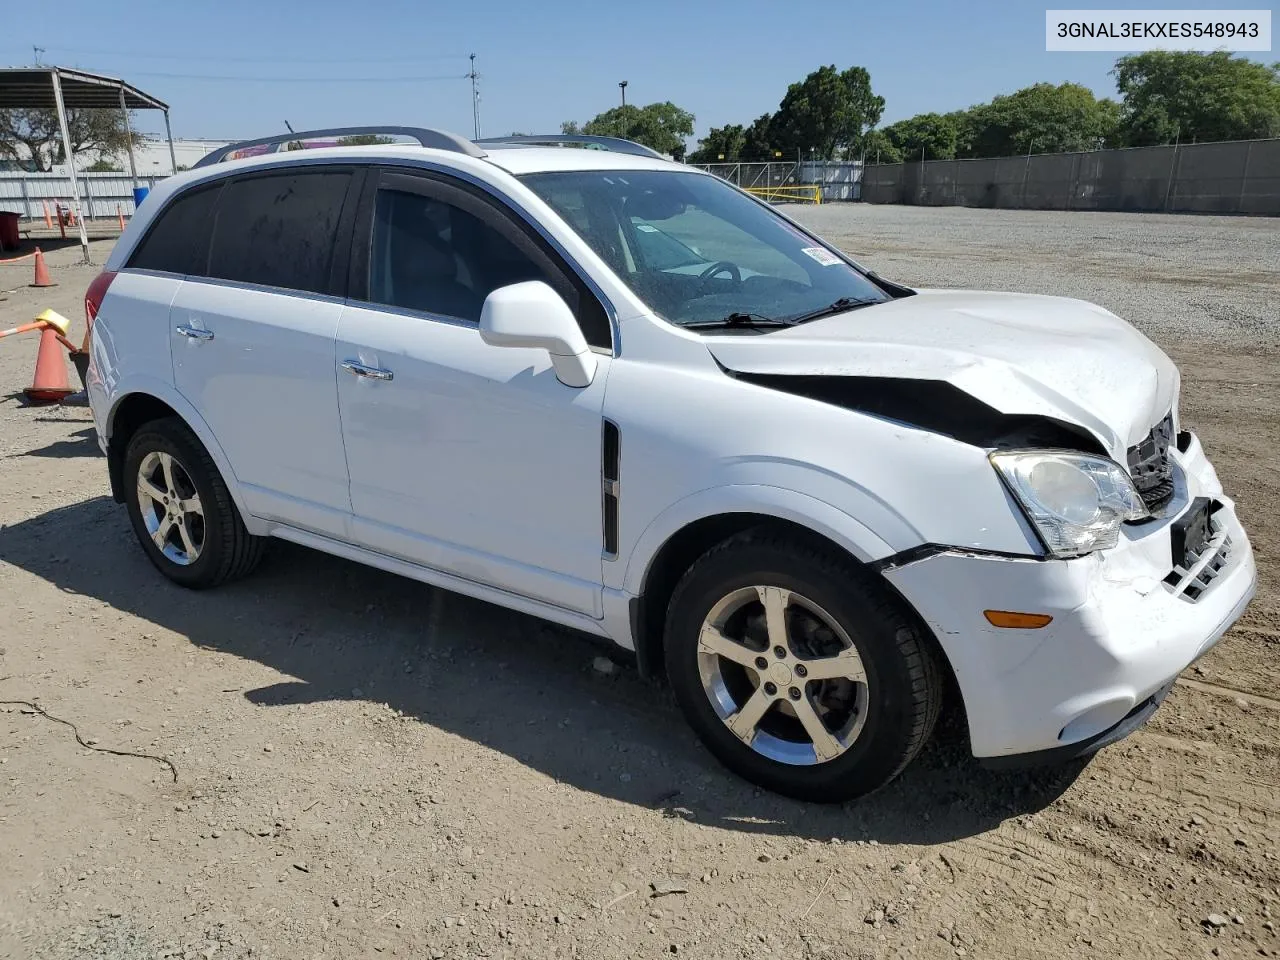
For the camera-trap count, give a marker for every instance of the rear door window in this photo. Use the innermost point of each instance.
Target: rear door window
(280, 230)
(178, 241)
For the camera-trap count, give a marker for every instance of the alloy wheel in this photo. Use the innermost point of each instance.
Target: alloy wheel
(783, 675)
(171, 508)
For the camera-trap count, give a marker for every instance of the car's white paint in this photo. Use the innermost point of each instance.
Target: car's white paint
(478, 470)
(266, 391)
(450, 462)
(533, 315)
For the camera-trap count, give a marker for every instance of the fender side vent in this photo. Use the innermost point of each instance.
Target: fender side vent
(610, 453)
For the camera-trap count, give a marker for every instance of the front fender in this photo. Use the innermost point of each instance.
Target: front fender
(800, 508)
(141, 383)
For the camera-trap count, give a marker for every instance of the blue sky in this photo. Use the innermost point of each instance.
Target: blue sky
(541, 61)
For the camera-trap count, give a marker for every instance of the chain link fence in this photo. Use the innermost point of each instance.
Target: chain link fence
(1236, 177)
(837, 179)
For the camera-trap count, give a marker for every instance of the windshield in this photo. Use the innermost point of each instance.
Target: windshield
(696, 250)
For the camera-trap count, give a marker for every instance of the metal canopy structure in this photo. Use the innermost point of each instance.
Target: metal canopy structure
(33, 87)
(63, 88)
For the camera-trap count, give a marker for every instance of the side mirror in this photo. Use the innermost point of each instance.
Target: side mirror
(531, 314)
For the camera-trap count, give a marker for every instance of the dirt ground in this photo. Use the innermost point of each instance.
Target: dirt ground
(366, 767)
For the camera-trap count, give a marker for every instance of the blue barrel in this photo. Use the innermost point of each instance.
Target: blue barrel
(140, 194)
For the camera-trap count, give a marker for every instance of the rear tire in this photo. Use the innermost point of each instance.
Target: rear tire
(849, 688)
(181, 510)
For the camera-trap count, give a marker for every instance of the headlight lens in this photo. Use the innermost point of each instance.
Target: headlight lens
(1075, 500)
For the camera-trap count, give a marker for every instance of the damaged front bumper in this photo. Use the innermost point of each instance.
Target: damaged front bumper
(1125, 623)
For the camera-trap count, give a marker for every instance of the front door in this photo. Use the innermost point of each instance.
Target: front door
(468, 458)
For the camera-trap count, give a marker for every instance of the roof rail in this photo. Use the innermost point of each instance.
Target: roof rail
(615, 144)
(435, 139)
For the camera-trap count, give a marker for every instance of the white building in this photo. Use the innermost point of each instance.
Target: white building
(151, 155)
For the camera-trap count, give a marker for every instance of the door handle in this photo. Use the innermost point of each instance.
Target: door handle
(363, 370)
(195, 333)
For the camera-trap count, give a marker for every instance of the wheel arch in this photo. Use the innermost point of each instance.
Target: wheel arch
(144, 403)
(687, 529)
(655, 579)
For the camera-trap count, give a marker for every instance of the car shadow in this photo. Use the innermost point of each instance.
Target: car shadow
(499, 678)
(82, 443)
(47, 244)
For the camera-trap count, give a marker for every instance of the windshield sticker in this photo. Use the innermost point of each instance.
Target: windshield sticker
(647, 228)
(824, 257)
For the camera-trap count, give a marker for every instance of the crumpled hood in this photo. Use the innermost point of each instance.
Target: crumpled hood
(1019, 353)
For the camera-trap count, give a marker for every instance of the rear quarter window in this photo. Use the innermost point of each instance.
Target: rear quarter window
(279, 230)
(179, 236)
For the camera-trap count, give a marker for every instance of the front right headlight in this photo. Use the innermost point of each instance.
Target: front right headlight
(1075, 500)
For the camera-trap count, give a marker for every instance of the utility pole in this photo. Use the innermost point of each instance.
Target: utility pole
(475, 96)
(622, 85)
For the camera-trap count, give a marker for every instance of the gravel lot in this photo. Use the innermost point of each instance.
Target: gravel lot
(1178, 278)
(370, 768)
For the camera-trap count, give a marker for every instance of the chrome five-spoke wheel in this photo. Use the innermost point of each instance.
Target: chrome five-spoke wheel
(782, 675)
(170, 507)
(181, 510)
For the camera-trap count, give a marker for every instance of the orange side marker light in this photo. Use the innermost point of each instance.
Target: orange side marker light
(1023, 621)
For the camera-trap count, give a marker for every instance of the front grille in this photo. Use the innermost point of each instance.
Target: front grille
(1150, 466)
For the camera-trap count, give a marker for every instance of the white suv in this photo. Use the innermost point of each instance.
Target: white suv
(622, 395)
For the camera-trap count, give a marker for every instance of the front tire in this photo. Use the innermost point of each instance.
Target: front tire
(797, 671)
(181, 510)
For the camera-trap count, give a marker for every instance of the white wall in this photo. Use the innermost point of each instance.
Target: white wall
(151, 156)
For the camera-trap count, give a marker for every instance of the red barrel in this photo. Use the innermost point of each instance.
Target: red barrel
(9, 239)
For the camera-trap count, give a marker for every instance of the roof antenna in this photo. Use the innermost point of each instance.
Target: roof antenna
(287, 127)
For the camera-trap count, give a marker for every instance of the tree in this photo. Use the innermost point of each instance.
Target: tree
(103, 166)
(931, 135)
(879, 148)
(32, 137)
(659, 126)
(962, 120)
(1042, 119)
(721, 145)
(759, 138)
(1191, 96)
(826, 111)
(364, 140)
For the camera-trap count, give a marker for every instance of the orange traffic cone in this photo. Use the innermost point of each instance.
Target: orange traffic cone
(48, 220)
(42, 272)
(50, 383)
(120, 217)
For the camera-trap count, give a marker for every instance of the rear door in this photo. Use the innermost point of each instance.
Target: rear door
(253, 339)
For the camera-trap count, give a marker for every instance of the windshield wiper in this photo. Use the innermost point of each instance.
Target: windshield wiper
(839, 306)
(737, 320)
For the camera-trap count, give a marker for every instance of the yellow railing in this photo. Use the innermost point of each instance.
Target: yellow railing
(809, 193)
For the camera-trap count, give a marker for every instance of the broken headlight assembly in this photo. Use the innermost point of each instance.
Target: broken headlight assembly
(1076, 501)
